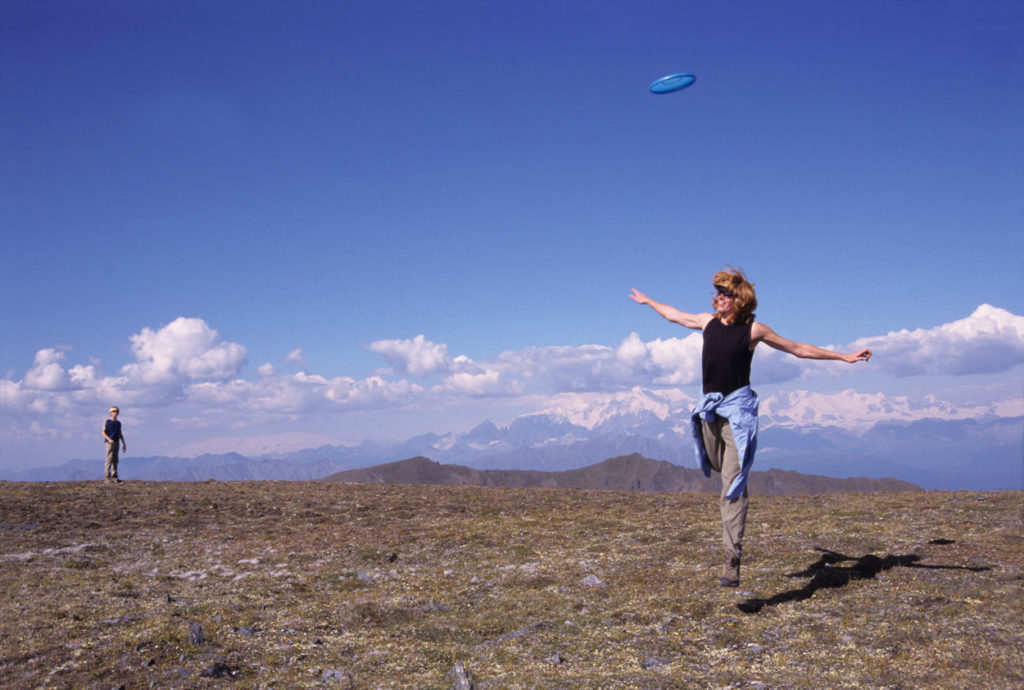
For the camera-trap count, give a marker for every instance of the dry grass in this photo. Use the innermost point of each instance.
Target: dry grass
(333, 585)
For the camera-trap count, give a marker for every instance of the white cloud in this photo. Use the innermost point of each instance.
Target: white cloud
(184, 371)
(372, 392)
(580, 368)
(675, 361)
(487, 382)
(988, 341)
(417, 357)
(12, 395)
(82, 376)
(183, 349)
(279, 397)
(854, 410)
(296, 356)
(167, 361)
(47, 374)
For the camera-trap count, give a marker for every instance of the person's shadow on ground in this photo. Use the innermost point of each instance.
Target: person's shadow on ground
(825, 573)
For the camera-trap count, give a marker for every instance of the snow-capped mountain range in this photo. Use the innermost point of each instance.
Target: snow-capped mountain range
(929, 442)
(848, 409)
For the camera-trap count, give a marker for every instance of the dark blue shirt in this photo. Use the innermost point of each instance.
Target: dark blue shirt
(112, 428)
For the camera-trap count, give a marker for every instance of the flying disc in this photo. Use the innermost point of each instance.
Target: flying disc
(673, 82)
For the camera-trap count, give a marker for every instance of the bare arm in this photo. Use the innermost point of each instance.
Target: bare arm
(761, 333)
(694, 321)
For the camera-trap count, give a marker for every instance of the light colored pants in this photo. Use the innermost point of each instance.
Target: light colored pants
(110, 468)
(722, 455)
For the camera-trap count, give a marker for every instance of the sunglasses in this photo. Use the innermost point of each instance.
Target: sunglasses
(725, 292)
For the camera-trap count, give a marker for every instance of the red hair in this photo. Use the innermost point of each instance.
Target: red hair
(742, 289)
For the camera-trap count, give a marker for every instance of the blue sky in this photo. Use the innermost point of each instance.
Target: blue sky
(227, 217)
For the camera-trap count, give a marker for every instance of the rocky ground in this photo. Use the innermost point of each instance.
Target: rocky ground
(304, 584)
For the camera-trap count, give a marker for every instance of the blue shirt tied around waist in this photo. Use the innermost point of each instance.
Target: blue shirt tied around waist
(740, 409)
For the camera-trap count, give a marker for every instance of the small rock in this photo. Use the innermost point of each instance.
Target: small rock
(461, 678)
(592, 581)
(220, 670)
(195, 633)
(654, 662)
(363, 576)
(244, 630)
(334, 675)
(556, 659)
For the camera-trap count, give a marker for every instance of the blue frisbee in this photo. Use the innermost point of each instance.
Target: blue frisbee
(673, 82)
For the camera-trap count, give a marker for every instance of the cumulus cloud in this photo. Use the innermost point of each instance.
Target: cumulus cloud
(183, 349)
(302, 393)
(417, 357)
(485, 382)
(185, 371)
(988, 341)
(47, 373)
(579, 368)
(12, 394)
(558, 368)
(371, 392)
(675, 361)
(168, 359)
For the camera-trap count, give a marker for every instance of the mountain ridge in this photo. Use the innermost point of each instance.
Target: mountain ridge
(985, 452)
(624, 473)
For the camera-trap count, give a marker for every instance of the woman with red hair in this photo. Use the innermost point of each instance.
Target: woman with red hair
(724, 421)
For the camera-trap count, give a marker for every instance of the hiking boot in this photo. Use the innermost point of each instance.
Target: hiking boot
(731, 570)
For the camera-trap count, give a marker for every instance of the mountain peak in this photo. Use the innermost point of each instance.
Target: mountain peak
(591, 410)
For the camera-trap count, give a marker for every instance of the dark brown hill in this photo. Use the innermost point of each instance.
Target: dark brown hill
(627, 473)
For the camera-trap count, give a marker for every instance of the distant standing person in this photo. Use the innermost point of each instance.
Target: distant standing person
(724, 421)
(112, 434)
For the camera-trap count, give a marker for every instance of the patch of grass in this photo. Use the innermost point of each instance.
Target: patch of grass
(877, 590)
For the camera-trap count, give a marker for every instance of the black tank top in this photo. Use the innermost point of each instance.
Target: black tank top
(726, 356)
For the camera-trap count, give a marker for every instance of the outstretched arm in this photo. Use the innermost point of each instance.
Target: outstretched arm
(760, 333)
(694, 321)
